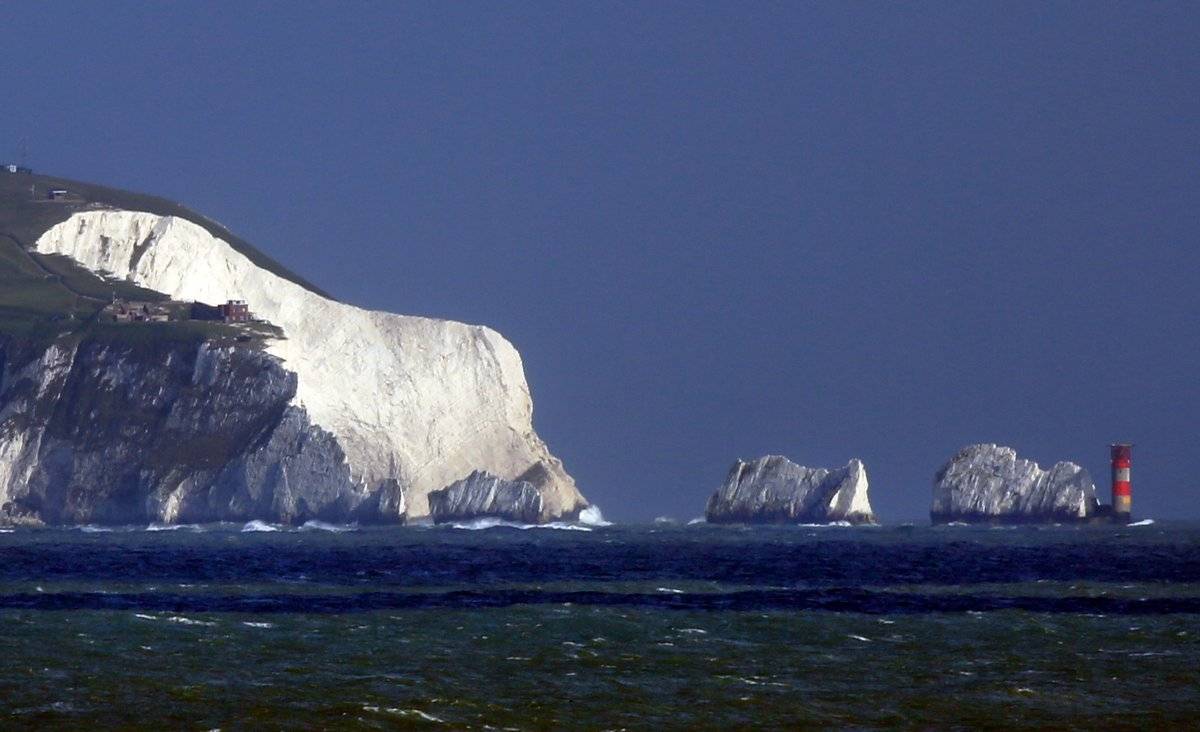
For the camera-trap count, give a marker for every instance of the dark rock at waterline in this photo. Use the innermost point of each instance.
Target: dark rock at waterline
(166, 431)
(483, 495)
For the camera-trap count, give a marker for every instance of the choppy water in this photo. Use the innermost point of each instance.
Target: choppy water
(661, 626)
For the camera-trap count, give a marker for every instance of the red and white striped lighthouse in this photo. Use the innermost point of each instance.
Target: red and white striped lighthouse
(1122, 495)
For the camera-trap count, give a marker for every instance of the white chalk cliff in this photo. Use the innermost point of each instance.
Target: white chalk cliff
(420, 401)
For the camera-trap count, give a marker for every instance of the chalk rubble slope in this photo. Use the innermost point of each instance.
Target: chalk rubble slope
(988, 483)
(773, 489)
(415, 400)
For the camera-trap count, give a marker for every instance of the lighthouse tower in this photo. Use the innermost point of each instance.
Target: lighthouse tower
(1122, 495)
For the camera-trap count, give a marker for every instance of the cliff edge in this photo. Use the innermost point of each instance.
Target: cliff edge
(370, 408)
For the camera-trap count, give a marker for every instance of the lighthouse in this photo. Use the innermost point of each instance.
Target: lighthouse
(1122, 495)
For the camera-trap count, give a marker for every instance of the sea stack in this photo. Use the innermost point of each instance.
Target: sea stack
(483, 495)
(988, 484)
(775, 490)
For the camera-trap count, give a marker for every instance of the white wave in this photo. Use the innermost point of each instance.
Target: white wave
(257, 525)
(593, 516)
(957, 523)
(562, 526)
(174, 527)
(7, 531)
(258, 625)
(315, 525)
(487, 522)
(145, 617)
(188, 621)
(89, 529)
(831, 524)
(1143, 522)
(859, 638)
(404, 713)
(490, 522)
(693, 631)
(665, 521)
(671, 590)
(697, 520)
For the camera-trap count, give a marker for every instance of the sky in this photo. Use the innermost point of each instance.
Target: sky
(713, 230)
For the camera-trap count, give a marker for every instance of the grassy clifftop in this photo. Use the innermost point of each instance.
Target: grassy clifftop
(27, 214)
(43, 296)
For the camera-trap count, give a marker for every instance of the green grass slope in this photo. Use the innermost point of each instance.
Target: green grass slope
(25, 213)
(44, 296)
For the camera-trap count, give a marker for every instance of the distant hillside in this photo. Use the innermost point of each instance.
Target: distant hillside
(26, 215)
(42, 294)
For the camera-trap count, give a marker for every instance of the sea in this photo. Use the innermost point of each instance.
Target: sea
(670, 625)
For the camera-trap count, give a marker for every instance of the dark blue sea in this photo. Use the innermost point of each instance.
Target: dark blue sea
(600, 627)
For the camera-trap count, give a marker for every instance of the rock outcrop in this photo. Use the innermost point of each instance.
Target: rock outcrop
(773, 489)
(483, 495)
(989, 484)
(167, 431)
(415, 401)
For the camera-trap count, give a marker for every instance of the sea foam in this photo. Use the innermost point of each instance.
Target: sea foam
(257, 525)
(315, 525)
(592, 516)
(489, 522)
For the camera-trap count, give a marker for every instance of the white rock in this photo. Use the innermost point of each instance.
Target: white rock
(989, 483)
(481, 495)
(419, 400)
(773, 489)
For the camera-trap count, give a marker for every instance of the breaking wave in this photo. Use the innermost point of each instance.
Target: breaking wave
(592, 516)
(315, 525)
(489, 522)
(257, 525)
(1143, 522)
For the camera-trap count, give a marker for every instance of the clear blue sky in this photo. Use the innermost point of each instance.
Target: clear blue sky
(712, 229)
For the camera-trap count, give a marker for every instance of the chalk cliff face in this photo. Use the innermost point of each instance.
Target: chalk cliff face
(115, 433)
(411, 402)
(773, 489)
(988, 483)
(482, 495)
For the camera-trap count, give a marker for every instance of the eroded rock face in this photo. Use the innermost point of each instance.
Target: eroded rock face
(988, 483)
(418, 401)
(482, 495)
(170, 431)
(773, 489)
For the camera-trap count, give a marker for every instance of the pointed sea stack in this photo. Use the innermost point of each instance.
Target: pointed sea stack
(774, 490)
